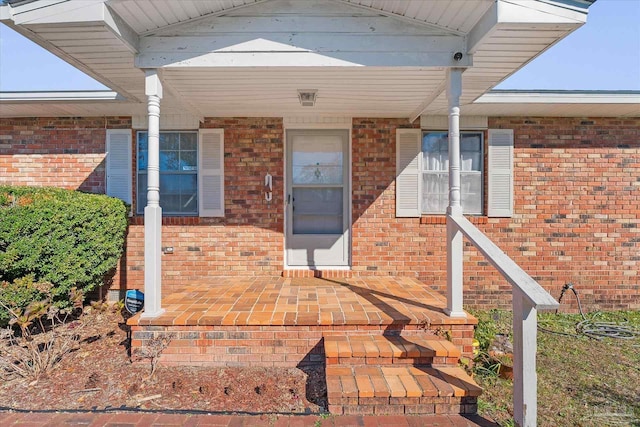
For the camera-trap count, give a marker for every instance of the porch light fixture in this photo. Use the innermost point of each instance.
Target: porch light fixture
(307, 97)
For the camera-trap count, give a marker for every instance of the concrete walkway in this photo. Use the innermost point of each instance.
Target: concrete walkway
(112, 419)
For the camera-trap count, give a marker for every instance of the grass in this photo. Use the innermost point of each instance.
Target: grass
(581, 381)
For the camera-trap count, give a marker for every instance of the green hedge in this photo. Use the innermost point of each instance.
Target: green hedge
(17, 295)
(60, 236)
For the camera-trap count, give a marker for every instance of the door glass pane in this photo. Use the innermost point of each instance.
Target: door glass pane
(317, 211)
(317, 159)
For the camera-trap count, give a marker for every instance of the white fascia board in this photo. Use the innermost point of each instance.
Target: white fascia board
(121, 29)
(558, 98)
(58, 12)
(58, 96)
(5, 13)
(68, 58)
(483, 29)
(537, 12)
(33, 5)
(84, 12)
(517, 13)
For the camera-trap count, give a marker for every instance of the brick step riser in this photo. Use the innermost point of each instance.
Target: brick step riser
(401, 360)
(319, 274)
(403, 405)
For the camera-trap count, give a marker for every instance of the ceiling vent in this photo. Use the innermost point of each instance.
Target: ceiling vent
(307, 97)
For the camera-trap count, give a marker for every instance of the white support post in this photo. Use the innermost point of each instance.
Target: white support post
(153, 211)
(525, 382)
(454, 236)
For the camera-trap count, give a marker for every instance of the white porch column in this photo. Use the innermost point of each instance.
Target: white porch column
(153, 211)
(454, 236)
(525, 381)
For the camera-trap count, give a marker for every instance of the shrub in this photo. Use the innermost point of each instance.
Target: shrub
(67, 238)
(42, 337)
(17, 295)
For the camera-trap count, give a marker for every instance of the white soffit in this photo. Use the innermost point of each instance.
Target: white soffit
(65, 96)
(474, 116)
(557, 104)
(147, 16)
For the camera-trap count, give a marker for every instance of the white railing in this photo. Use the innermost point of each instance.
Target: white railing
(528, 298)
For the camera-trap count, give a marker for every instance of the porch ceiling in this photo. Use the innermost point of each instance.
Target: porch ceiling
(106, 39)
(146, 16)
(371, 92)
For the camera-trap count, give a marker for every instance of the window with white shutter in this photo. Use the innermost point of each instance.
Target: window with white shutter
(178, 172)
(422, 183)
(118, 164)
(408, 173)
(211, 173)
(500, 158)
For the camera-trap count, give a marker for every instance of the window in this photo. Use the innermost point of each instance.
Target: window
(178, 172)
(422, 178)
(435, 172)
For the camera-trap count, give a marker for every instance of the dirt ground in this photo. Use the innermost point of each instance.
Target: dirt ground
(100, 374)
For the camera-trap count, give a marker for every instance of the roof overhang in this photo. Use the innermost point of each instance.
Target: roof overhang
(250, 57)
(492, 104)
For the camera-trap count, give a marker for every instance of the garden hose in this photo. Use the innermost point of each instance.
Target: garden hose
(591, 328)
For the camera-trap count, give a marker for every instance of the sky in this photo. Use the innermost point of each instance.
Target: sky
(604, 54)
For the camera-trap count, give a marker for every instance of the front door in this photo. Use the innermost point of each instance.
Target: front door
(317, 198)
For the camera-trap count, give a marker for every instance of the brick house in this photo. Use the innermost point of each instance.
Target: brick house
(286, 139)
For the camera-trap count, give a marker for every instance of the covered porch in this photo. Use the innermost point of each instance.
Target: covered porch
(280, 321)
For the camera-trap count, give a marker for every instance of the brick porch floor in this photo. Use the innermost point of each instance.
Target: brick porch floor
(279, 301)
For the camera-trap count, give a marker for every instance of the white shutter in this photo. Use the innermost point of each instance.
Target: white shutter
(119, 165)
(211, 172)
(500, 173)
(408, 174)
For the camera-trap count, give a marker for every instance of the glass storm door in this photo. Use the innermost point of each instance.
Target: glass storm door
(317, 198)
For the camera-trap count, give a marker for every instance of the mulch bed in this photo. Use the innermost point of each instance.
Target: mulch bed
(100, 374)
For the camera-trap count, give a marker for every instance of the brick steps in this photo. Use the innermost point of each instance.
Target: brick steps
(390, 349)
(382, 374)
(400, 390)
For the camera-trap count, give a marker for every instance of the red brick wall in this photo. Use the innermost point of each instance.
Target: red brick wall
(63, 152)
(577, 208)
(284, 346)
(577, 192)
(577, 213)
(249, 239)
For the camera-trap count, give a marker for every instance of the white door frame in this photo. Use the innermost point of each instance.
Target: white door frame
(309, 123)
